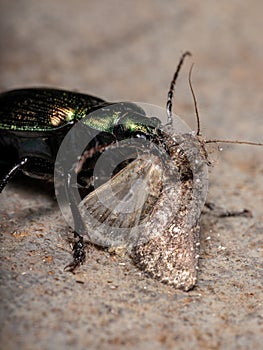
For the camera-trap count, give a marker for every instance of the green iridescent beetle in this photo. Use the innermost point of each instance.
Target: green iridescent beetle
(34, 122)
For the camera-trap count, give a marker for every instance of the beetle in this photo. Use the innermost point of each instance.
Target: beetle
(34, 122)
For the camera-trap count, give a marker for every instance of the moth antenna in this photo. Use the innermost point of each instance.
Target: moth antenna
(235, 141)
(171, 90)
(195, 101)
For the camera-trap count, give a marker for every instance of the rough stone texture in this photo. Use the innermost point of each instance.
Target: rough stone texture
(128, 51)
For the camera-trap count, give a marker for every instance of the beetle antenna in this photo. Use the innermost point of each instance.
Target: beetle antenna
(235, 141)
(195, 101)
(171, 90)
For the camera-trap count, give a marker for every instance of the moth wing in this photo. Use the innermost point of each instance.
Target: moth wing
(114, 211)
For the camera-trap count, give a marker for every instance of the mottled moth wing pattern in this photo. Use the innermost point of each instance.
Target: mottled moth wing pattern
(169, 244)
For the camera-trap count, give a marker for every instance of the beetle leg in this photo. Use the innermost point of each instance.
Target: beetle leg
(222, 213)
(79, 253)
(12, 172)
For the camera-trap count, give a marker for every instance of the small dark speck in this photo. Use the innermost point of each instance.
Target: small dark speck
(80, 282)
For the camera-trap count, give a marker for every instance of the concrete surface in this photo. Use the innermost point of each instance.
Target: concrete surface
(128, 50)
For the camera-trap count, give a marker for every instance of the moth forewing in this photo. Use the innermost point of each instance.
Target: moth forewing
(168, 248)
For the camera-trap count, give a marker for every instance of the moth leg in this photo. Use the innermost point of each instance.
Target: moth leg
(222, 213)
(11, 173)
